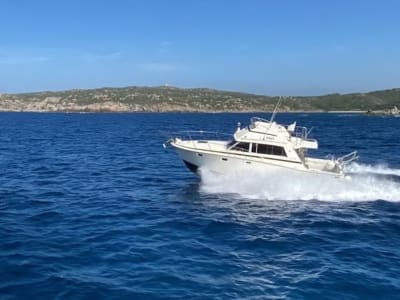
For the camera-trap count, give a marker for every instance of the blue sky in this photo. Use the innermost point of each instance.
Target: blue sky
(265, 47)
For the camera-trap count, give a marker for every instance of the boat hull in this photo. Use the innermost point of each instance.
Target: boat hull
(224, 163)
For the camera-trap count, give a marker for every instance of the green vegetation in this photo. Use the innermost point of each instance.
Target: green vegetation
(176, 99)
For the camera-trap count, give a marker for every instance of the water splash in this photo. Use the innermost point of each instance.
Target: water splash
(367, 183)
(380, 169)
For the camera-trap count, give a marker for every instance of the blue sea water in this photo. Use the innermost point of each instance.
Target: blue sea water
(93, 207)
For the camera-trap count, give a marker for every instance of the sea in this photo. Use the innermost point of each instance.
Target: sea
(93, 207)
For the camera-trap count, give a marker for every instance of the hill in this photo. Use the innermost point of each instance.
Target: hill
(167, 99)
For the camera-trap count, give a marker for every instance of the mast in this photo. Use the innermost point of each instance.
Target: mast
(275, 110)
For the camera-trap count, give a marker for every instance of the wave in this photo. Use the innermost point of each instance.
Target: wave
(367, 183)
(380, 169)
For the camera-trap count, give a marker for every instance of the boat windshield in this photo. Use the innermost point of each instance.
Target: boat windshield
(230, 144)
(239, 146)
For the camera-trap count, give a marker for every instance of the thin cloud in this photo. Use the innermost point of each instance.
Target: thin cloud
(15, 60)
(157, 67)
(164, 47)
(94, 57)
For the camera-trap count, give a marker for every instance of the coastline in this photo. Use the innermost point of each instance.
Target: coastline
(185, 111)
(197, 100)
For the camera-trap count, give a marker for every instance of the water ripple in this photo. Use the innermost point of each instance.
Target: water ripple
(92, 207)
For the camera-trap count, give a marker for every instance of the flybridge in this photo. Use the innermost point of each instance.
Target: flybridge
(263, 130)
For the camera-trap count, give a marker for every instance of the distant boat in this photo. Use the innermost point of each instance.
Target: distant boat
(395, 112)
(263, 145)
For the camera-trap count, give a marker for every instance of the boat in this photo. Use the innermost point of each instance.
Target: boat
(395, 112)
(263, 145)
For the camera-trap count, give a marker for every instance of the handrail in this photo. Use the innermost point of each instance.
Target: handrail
(348, 158)
(199, 135)
(255, 119)
(302, 132)
(299, 131)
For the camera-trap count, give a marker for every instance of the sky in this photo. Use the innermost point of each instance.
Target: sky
(269, 47)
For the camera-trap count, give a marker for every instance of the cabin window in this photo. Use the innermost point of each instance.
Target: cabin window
(241, 147)
(278, 151)
(268, 149)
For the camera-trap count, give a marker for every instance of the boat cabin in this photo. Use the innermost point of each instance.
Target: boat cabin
(265, 138)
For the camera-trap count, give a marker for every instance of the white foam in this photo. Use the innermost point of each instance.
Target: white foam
(367, 183)
(372, 169)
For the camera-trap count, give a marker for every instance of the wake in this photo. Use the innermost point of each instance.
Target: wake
(372, 169)
(367, 183)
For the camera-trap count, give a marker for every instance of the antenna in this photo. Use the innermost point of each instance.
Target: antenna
(275, 110)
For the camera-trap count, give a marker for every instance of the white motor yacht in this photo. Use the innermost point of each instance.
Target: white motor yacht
(263, 145)
(395, 112)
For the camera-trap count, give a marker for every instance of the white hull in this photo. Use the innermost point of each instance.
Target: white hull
(224, 163)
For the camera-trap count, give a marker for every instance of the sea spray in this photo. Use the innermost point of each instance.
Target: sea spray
(380, 169)
(366, 183)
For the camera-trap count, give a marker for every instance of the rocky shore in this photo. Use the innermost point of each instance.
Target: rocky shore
(172, 99)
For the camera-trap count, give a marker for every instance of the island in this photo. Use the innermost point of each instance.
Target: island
(174, 99)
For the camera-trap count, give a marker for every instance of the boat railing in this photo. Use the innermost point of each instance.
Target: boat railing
(258, 119)
(348, 158)
(299, 131)
(302, 133)
(343, 160)
(200, 135)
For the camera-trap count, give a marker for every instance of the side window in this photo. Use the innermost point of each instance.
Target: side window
(278, 151)
(264, 149)
(268, 149)
(241, 147)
